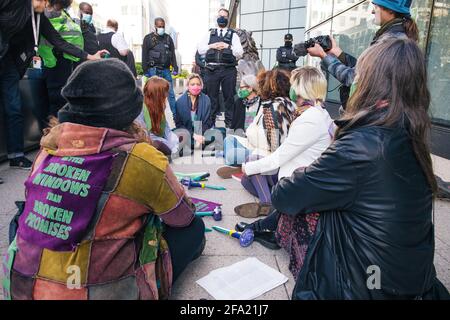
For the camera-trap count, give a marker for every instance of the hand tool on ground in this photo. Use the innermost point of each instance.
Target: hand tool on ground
(188, 182)
(245, 238)
(216, 214)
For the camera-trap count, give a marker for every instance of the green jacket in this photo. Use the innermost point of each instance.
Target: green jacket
(69, 30)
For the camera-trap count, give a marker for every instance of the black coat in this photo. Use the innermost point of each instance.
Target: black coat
(376, 210)
(17, 34)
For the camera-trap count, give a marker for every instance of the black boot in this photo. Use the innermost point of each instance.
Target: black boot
(264, 236)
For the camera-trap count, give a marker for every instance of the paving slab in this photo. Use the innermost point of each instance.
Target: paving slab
(186, 287)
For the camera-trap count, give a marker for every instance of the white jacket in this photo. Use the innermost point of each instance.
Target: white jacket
(309, 136)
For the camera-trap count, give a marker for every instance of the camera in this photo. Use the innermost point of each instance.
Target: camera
(301, 49)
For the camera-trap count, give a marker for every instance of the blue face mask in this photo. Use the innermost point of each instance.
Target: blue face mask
(161, 31)
(87, 18)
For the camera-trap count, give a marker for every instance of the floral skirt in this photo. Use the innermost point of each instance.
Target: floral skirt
(294, 234)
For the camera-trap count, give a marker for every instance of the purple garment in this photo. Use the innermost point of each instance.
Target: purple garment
(62, 196)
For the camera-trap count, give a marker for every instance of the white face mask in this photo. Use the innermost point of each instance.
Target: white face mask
(161, 31)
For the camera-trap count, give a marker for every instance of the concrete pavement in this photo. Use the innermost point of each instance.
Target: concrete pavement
(221, 251)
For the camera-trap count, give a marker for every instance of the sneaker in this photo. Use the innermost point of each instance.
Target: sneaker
(227, 172)
(20, 163)
(1, 181)
(253, 210)
(238, 176)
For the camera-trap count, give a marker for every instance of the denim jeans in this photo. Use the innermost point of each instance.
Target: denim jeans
(235, 153)
(165, 74)
(12, 106)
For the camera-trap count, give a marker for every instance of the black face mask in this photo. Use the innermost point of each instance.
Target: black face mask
(288, 44)
(222, 22)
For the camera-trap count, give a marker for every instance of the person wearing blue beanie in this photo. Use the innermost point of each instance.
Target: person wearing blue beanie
(394, 19)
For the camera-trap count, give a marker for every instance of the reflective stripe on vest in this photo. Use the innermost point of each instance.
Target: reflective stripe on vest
(70, 31)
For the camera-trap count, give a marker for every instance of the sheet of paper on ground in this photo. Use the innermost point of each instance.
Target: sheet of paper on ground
(245, 280)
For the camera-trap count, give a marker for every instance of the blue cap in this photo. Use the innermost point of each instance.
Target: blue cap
(399, 6)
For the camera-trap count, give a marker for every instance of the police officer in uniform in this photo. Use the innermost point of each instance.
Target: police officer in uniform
(286, 56)
(58, 66)
(91, 45)
(222, 49)
(113, 41)
(158, 55)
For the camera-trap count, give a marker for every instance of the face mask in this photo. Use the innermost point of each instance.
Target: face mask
(195, 90)
(244, 93)
(87, 18)
(293, 95)
(222, 22)
(288, 43)
(161, 31)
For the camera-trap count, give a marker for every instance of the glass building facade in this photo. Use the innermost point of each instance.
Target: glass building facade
(270, 20)
(351, 23)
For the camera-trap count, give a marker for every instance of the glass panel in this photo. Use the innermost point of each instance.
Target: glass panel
(257, 36)
(298, 35)
(439, 63)
(275, 4)
(250, 6)
(354, 29)
(299, 3)
(266, 58)
(298, 18)
(276, 20)
(421, 13)
(273, 39)
(319, 10)
(252, 22)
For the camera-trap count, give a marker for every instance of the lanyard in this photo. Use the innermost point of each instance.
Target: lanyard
(36, 27)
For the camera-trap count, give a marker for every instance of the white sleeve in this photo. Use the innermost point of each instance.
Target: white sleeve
(119, 42)
(236, 46)
(302, 135)
(203, 45)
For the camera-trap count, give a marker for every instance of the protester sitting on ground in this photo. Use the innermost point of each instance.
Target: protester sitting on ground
(102, 200)
(247, 104)
(309, 136)
(153, 117)
(193, 112)
(269, 128)
(374, 190)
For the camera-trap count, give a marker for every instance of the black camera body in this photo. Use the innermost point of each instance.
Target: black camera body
(323, 41)
(301, 49)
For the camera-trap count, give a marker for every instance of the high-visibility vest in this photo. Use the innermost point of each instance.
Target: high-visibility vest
(70, 31)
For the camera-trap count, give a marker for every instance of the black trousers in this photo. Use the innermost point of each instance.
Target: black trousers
(185, 244)
(226, 78)
(56, 79)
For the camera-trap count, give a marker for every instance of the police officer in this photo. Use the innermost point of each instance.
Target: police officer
(58, 66)
(286, 56)
(222, 49)
(91, 45)
(158, 55)
(113, 41)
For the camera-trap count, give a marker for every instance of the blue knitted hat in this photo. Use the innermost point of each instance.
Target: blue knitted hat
(399, 6)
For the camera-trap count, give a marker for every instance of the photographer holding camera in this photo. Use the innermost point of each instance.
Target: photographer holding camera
(394, 19)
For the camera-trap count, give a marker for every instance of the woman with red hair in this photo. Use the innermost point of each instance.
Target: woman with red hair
(153, 119)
